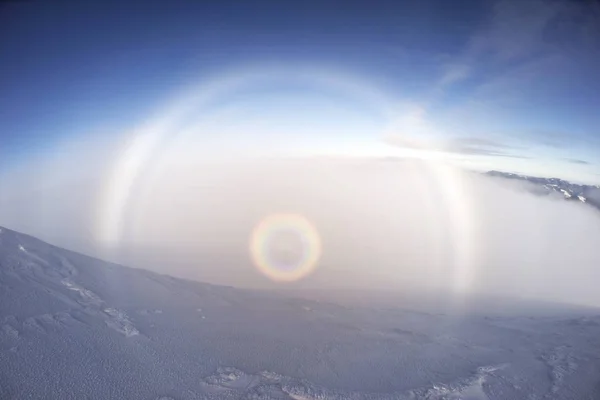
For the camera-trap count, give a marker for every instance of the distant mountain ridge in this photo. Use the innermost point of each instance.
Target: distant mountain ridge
(587, 194)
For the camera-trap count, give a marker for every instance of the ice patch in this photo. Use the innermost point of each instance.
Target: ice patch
(231, 378)
(233, 383)
(9, 331)
(120, 322)
(561, 365)
(34, 256)
(117, 319)
(148, 312)
(67, 268)
(466, 389)
(298, 397)
(32, 324)
(473, 391)
(87, 297)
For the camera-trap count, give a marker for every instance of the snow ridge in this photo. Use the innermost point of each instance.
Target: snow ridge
(230, 382)
(115, 318)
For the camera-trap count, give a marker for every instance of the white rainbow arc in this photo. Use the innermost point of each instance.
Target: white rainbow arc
(148, 139)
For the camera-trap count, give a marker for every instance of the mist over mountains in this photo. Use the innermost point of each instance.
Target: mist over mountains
(589, 194)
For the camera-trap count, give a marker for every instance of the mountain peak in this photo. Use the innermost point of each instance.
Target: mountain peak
(587, 194)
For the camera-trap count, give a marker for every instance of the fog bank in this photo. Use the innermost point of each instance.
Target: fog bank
(393, 224)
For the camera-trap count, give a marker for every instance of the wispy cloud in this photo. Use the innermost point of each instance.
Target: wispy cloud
(516, 29)
(511, 47)
(454, 72)
(520, 60)
(478, 146)
(519, 32)
(470, 146)
(576, 161)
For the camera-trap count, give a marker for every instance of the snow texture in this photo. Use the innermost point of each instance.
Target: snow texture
(73, 327)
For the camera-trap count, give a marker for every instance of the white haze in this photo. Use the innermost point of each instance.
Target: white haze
(393, 224)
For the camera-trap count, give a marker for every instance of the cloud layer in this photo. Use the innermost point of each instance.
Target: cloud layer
(385, 224)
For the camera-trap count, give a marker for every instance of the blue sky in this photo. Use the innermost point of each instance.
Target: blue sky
(509, 85)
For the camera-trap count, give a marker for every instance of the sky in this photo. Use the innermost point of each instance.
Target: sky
(507, 85)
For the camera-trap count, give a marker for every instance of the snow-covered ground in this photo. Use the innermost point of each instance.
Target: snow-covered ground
(73, 327)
